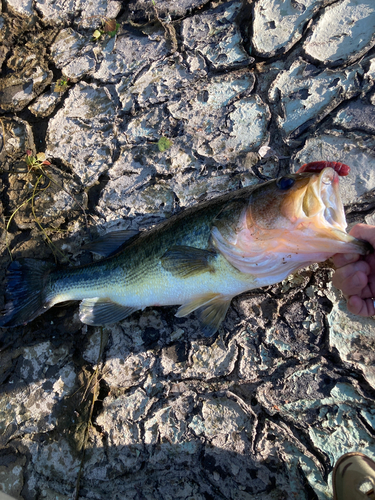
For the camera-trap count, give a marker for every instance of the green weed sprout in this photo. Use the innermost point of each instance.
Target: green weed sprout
(61, 85)
(35, 162)
(164, 143)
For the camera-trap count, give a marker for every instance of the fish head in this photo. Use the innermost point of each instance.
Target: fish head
(289, 223)
(306, 209)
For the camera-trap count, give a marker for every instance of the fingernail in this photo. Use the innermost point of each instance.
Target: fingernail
(350, 257)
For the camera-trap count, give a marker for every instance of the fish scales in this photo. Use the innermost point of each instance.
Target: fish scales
(137, 270)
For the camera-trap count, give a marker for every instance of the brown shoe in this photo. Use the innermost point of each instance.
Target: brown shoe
(354, 477)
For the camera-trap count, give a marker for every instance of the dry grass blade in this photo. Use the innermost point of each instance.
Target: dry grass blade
(109, 25)
(93, 386)
(36, 163)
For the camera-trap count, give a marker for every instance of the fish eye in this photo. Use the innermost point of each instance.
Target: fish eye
(284, 183)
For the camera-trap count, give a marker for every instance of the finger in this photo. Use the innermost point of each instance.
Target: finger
(343, 259)
(364, 232)
(352, 279)
(361, 307)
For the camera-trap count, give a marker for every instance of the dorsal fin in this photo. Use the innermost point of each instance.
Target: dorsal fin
(110, 242)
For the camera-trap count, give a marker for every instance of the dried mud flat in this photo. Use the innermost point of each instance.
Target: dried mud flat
(181, 102)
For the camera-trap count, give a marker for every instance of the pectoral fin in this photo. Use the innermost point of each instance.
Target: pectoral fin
(184, 261)
(210, 309)
(98, 312)
(110, 242)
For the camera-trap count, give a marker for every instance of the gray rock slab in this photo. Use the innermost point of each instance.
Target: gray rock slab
(308, 393)
(143, 10)
(356, 115)
(12, 477)
(91, 14)
(205, 362)
(45, 462)
(127, 193)
(352, 337)
(215, 35)
(74, 54)
(358, 154)
(79, 67)
(35, 403)
(279, 24)
(55, 12)
(247, 127)
(163, 81)
(128, 53)
(81, 133)
(133, 195)
(220, 416)
(304, 94)
(221, 122)
(127, 362)
(211, 98)
(148, 126)
(19, 89)
(337, 430)
(16, 137)
(22, 7)
(215, 117)
(199, 186)
(88, 14)
(344, 32)
(45, 104)
(66, 46)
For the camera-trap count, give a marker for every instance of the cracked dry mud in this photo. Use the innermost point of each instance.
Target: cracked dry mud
(244, 91)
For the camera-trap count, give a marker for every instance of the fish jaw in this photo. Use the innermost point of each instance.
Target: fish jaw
(281, 232)
(325, 220)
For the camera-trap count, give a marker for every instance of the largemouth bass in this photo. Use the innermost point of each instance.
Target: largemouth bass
(199, 259)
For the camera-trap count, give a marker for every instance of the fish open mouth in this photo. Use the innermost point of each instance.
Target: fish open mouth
(322, 200)
(324, 211)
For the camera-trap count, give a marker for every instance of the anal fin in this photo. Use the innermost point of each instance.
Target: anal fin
(98, 312)
(210, 309)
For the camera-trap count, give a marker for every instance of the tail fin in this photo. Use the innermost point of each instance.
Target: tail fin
(25, 289)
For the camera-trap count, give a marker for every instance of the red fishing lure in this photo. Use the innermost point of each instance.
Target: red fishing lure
(317, 166)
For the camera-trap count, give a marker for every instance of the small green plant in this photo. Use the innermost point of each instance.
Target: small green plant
(96, 36)
(164, 143)
(61, 85)
(35, 162)
(109, 27)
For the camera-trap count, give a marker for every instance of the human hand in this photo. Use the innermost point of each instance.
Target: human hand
(355, 274)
